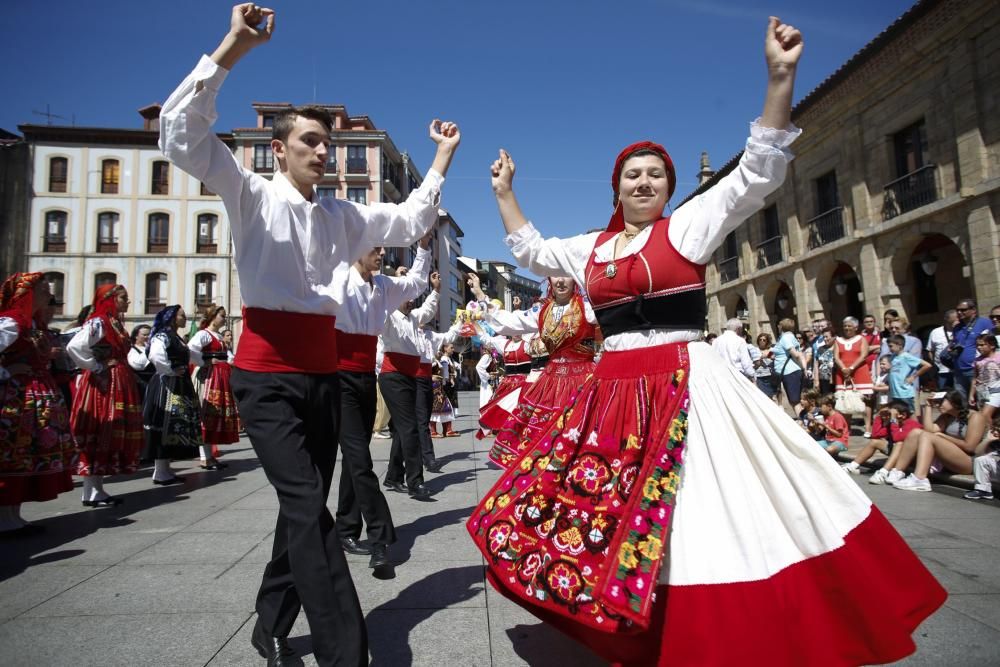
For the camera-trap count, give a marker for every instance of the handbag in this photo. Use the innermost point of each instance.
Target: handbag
(849, 400)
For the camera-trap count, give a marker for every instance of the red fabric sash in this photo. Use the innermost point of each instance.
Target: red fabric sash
(356, 352)
(397, 362)
(279, 341)
(425, 371)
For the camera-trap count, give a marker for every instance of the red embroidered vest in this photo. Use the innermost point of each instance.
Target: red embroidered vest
(564, 338)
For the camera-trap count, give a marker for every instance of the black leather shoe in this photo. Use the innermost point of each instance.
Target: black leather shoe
(167, 482)
(275, 649)
(380, 556)
(419, 492)
(352, 546)
(433, 466)
(215, 465)
(110, 501)
(398, 487)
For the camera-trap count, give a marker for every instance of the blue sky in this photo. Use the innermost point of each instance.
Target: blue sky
(563, 85)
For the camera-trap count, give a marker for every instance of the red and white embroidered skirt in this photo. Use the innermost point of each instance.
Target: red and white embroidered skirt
(493, 415)
(106, 421)
(219, 418)
(673, 515)
(538, 405)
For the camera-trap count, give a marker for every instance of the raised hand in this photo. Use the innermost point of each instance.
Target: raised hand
(502, 173)
(425, 242)
(515, 302)
(401, 271)
(782, 44)
(245, 23)
(445, 134)
(436, 281)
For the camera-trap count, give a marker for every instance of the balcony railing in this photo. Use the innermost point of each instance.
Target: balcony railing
(769, 252)
(908, 192)
(153, 306)
(729, 269)
(107, 245)
(357, 165)
(826, 228)
(331, 166)
(55, 243)
(207, 247)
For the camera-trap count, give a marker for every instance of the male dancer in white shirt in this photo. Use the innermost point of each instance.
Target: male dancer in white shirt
(371, 296)
(288, 244)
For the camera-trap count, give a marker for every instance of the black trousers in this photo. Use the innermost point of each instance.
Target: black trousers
(424, 406)
(400, 394)
(451, 391)
(359, 493)
(291, 419)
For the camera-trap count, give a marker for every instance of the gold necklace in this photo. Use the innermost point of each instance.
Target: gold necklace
(611, 270)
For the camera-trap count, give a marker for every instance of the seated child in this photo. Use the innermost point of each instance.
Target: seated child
(835, 427)
(986, 468)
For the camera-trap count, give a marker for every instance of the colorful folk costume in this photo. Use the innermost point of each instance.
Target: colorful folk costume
(36, 448)
(442, 411)
(517, 365)
(220, 420)
(107, 410)
(568, 338)
(672, 515)
(171, 414)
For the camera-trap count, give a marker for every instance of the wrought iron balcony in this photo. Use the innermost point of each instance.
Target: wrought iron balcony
(826, 228)
(55, 243)
(908, 192)
(769, 252)
(729, 269)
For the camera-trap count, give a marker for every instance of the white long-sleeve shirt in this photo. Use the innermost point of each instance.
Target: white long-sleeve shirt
(287, 248)
(697, 228)
(733, 348)
(81, 346)
(402, 332)
(137, 359)
(367, 305)
(8, 334)
(199, 341)
(433, 342)
(523, 322)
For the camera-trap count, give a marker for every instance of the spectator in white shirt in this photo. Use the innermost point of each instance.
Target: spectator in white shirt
(732, 347)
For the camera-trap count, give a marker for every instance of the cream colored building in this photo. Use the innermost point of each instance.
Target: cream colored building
(893, 199)
(106, 206)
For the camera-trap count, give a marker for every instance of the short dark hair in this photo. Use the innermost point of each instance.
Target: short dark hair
(901, 406)
(890, 312)
(988, 338)
(828, 399)
(896, 339)
(284, 121)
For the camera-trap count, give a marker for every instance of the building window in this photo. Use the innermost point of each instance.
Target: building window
(357, 162)
(56, 283)
(914, 185)
(107, 232)
(357, 195)
(729, 265)
(263, 158)
(55, 231)
(161, 178)
(204, 289)
(207, 242)
(205, 192)
(158, 238)
(455, 283)
(110, 175)
(58, 168)
(769, 248)
(326, 193)
(268, 120)
(331, 161)
(828, 224)
(104, 279)
(156, 292)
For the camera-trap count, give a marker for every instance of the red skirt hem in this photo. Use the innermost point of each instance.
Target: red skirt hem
(491, 415)
(34, 487)
(814, 612)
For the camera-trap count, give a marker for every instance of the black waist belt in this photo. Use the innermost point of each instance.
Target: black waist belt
(683, 310)
(518, 369)
(538, 363)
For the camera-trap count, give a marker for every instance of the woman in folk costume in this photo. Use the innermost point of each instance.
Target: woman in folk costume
(171, 416)
(219, 419)
(514, 353)
(36, 448)
(565, 327)
(671, 516)
(106, 418)
(442, 411)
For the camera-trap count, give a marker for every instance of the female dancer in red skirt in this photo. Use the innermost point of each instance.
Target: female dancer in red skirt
(36, 448)
(219, 419)
(672, 515)
(564, 325)
(517, 364)
(106, 418)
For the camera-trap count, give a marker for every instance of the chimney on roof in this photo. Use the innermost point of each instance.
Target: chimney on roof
(705, 172)
(151, 117)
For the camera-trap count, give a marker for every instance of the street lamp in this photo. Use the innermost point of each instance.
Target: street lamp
(782, 302)
(839, 286)
(929, 264)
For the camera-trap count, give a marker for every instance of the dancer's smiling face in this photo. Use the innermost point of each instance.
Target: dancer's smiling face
(562, 290)
(643, 188)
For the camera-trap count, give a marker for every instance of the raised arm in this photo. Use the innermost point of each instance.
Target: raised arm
(428, 309)
(699, 226)
(412, 283)
(186, 120)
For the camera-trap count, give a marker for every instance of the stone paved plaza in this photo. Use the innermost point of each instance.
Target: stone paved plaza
(169, 577)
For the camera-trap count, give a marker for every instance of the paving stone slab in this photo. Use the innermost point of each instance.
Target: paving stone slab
(950, 638)
(38, 584)
(256, 522)
(964, 571)
(198, 548)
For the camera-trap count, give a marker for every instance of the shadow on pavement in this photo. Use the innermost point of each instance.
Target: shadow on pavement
(20, 554)
(543, 645)
(408, 533)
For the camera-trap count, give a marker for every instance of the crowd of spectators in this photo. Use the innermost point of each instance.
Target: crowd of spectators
(928, 405)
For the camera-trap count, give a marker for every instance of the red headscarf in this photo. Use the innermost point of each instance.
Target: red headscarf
(617, 222)
(104, 302)
(17, 300)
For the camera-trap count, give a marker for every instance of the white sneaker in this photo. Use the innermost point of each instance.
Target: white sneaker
(382, 435)
(913, 483)
(868, 434)
(852, 468)
(879, 477)
(894, 476)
